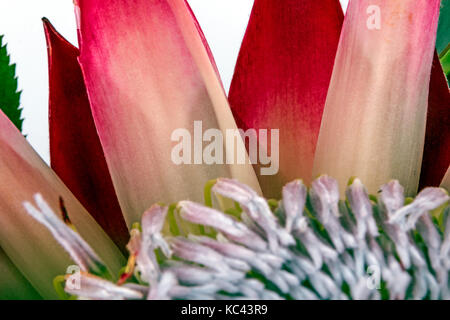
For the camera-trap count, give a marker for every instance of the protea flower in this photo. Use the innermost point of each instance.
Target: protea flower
(116, 102)
(308, 246)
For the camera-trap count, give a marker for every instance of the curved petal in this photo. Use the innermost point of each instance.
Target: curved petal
(282, 76)
(13, 285)
(29, 245)
(147, 74)
(374, 120)
(75, 150)
(436, 154)
(445, 183)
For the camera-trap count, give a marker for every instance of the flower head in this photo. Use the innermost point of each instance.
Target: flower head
(361, 96)
(311, 246)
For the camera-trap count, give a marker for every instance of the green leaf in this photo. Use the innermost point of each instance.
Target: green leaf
(445, 61)
(443, 35)
(9, 96)
(13, 285)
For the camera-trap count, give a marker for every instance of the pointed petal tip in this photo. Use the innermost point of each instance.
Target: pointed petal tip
(51, 34)
(76, 153)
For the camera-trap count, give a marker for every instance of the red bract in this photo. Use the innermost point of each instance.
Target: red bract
(282, 76)
(436, 155)
(75, 151)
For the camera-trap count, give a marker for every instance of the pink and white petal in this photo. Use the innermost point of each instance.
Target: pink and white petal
(30, 246)
(374, 120)
(148, 73)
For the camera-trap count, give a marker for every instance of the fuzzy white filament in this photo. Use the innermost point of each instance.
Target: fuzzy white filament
(312, 246)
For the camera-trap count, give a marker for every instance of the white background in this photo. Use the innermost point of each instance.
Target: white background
(223, 22)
